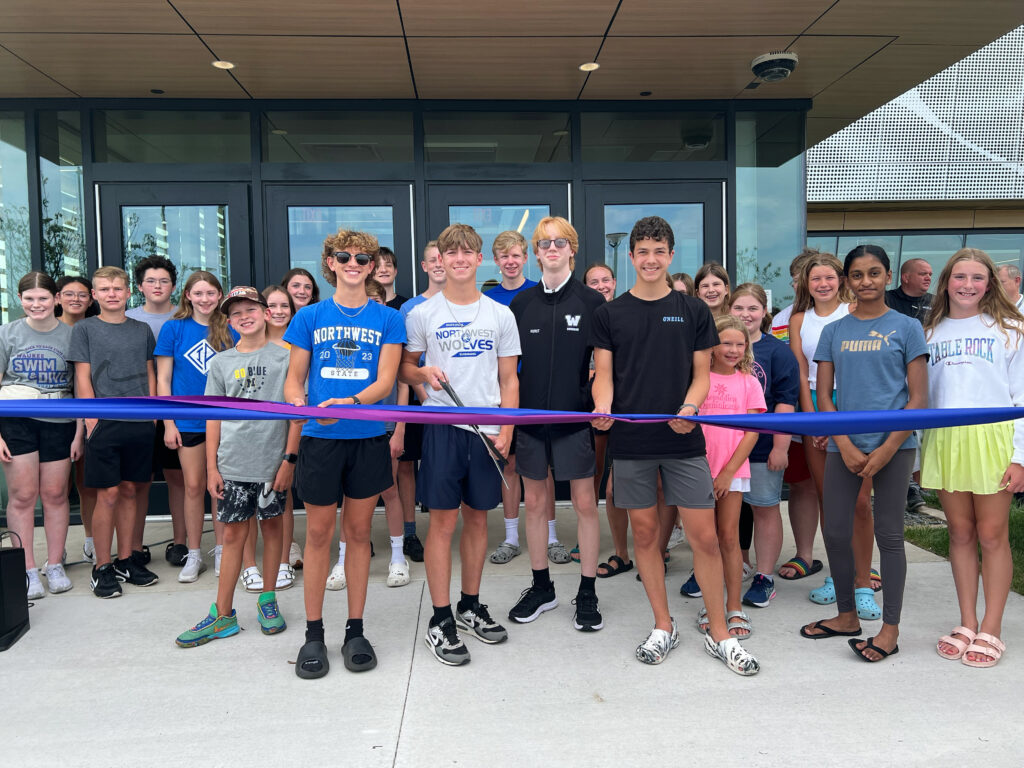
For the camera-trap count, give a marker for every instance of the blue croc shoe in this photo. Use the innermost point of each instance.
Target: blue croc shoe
(825, 594)
(867, 608)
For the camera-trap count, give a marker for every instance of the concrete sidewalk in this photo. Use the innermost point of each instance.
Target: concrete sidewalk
(101, 683)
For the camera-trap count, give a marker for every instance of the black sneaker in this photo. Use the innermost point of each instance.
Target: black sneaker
(146, 556)
(587, 618)
(176, 554)
(915, 501)
(132, 570)
(532, 603)
(412, 548)
(104, 582)
(478, 621)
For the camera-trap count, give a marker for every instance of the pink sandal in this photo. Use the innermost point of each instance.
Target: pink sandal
(994, 651)
(960, 645)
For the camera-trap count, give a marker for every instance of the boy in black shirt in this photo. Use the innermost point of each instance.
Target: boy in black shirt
(652, 353)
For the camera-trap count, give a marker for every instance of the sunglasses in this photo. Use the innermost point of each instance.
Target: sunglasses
(362, 259)
(560, 242)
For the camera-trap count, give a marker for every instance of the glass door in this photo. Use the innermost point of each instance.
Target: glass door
(300, 217)
(693, 209)
(196, 226)
(492, 209)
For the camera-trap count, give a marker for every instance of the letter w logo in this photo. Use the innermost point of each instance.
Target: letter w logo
(572, 321)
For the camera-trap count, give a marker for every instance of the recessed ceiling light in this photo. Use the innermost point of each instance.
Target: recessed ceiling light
(560, 133)
(589, 66)
(156, 91)
(279, 132)
(645, 93)
(223, 64)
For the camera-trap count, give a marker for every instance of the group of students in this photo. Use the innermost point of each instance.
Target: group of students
(560, 344)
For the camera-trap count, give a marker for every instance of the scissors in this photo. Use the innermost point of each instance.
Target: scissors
(492, 450)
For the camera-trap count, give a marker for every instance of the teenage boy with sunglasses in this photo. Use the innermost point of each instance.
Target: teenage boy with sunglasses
(350, 348)
(472, 343)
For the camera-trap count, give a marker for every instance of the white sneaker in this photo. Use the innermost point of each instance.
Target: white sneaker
(398, 573)
(677, 537)
(336, 580)
(252, 580)
(35, 586)
(285, 576)
(57, 579)
(748, 572)
(194, 565)
(89, 551)
(216, 559)
(294, 556)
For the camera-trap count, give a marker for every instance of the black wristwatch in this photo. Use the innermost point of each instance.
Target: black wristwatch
(291, 458)
(356, 400)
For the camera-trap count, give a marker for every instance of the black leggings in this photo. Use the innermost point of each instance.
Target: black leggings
(890, 489)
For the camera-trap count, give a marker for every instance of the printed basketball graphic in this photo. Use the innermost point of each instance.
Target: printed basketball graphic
(346, 353)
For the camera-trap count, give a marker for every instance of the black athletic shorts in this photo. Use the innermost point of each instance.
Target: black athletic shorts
(571, 456)
(51, 440)
(163, 457)
(192, 439)
(456, 468)
(117, 451)
(330, 470)
(413, 444)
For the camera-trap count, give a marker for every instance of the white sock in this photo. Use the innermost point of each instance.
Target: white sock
(89, 542)
(552, 536)
(341, 552)
(512, 530)
(396, 549)
(197, 552)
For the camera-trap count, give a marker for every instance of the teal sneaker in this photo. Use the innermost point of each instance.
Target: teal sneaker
(271, 621)
(210, 628)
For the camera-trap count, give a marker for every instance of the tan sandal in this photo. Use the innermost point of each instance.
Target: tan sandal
(994, 651)
(957, 643)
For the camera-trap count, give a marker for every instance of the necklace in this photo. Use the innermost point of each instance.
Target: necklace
(465, 334)
(346, 314)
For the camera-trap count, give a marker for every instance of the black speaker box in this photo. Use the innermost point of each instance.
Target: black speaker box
(13, 592)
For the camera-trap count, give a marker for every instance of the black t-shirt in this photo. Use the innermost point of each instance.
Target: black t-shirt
(652, 345)
(397, 302)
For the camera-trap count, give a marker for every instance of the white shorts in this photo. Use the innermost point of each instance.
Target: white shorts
(741, 484)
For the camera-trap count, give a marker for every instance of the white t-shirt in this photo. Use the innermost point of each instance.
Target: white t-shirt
(464, 341)
(971, 364)
(810, 332)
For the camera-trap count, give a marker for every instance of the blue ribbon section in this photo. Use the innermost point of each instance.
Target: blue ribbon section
(232, 409)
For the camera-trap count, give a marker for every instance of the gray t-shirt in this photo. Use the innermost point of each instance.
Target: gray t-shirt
(870, 359)
(250, 451)
(117, 354)
(36, 359)
(153, 320)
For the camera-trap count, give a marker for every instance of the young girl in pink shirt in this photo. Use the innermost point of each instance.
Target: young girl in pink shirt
(734, 390)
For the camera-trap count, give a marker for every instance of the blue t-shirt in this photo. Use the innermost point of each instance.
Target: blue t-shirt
(184, 340)
(344, 355)
(776, 370)
(504, 296)
(411, 304)
(870, 359)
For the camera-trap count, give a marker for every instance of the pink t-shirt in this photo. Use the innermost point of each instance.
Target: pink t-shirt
(738, 393)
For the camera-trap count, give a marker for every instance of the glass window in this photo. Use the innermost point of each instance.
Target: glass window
(771, 207)
(490, 221)
(309, 225)
(935, 249)
(15, 243)
(137, 136)
(824, 243)
(337, 137)
(1003, 248)
(496, 137)
(890, 242)
(60, 181)
(192, 236)
(624, 137)
(686, 220)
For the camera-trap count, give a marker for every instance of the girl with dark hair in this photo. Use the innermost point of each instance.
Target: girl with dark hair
(37, 453)
(877, 360)
(712, 282)
(301, 286)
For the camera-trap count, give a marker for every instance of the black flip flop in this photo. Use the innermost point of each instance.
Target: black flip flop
(613, 567)
(827, 631)
(869, 643)
(311, 662)
(358, 655)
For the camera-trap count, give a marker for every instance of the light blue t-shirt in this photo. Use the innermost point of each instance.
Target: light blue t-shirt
(344, 355)
(870, 359)
(185, 341)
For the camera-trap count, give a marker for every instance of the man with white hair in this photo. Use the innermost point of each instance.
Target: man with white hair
(1009, 276)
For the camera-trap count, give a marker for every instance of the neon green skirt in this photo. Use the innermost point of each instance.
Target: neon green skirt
(971, 458)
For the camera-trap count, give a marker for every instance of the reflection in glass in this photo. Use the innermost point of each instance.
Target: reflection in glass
(771, 209)
(337, 137)
(60, 181)
(496, 137)
(490, 221)
(631, 137)
(890, 242)
(935, 249)
(165, 136)
(15, 247)
(309, 226)
(824, 243)
(192, 236)
(1003, 248)
(686, 220)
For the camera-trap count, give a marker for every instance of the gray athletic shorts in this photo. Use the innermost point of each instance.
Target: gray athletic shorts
(571, 456)
(685, 483)
(243, 499)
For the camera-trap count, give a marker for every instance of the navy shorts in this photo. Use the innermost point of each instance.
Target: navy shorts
(456, 468)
